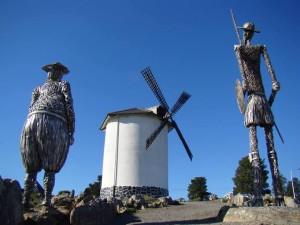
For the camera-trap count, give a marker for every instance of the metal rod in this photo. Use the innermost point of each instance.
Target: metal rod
(116, 160)
(293, 188)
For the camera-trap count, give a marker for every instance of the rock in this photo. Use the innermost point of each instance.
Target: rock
(268, 200)
(175, 202)
(57, 214)
(10, 202)
(165, 201)
(213, 197)
(136, 201)
(63, 202)
(67, 193)
(240, 200)
(289, 202)
(47, 216)
(262, 215)
(97, 213)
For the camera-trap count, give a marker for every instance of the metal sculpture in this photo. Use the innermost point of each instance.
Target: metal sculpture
(48, 131)
(258, 111)
(168, 115)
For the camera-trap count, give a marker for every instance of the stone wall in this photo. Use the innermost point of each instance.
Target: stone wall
(128, 191)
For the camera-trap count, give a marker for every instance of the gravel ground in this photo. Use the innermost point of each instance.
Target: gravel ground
(186, 213)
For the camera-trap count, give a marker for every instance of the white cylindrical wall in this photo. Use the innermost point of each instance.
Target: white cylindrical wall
(126, 162)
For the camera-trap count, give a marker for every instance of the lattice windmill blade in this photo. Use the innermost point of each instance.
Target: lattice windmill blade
(156, 133)
(182, 140)
(180, 102)
(147, 74)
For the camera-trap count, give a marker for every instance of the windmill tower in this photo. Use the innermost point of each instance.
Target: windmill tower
(128, 168)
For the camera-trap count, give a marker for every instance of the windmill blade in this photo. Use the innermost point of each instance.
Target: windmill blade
(147, 74)
(180, 102)
(156, 133)
(182, 140)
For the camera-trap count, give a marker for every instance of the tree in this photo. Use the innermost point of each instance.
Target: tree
(289, 189)
(198, 189)
(284, 182)
(243, 179)
(94, 188)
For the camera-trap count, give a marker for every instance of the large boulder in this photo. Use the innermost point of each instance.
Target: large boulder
(90, 211)
(261, 215)
(10, 202)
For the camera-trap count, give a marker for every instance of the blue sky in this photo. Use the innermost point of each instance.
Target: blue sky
(187, 44)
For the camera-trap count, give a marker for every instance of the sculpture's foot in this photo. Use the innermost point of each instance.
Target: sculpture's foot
(256, 202)
(279, 201)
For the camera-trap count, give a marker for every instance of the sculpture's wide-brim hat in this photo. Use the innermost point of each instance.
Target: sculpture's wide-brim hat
(249, 26)
(56, 66)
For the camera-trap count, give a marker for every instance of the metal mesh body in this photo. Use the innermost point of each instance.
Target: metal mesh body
(249, 62)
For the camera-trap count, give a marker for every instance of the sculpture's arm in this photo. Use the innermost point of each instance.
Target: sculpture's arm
(241, 67)
(66, 89)
(35, 95)
(275, 83)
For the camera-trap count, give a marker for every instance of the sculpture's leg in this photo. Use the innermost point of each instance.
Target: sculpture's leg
(29, 182)
(256, 170)
(49, 181)
(277, 185)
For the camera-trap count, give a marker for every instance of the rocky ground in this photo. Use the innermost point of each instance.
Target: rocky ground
(185, 213)
(85, 209)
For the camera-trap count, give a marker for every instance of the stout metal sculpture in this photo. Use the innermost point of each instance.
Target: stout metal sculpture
(258, 111)
(48, 131)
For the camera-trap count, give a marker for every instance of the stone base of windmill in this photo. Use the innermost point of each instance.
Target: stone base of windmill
(128, 191)
(260, 215)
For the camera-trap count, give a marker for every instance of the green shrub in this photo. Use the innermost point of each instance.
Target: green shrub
(224, 200)
(149, 199)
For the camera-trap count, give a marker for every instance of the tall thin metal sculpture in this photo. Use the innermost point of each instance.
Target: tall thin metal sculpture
(258, 111)
(48, 131)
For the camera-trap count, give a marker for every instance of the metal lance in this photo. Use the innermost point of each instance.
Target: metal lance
(236, 28)
(271, 100)
(239, 92)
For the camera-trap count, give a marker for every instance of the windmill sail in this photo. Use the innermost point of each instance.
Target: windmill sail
(180, 102)
(148, 76)
(156, 133)
(188, 151)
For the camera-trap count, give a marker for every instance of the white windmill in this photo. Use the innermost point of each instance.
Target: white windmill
(128, 168)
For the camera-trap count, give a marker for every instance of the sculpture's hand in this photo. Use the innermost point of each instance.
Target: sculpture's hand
(71, 138)
(276, 86)
(244, 86)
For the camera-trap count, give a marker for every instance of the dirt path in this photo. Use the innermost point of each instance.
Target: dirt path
(186, 213)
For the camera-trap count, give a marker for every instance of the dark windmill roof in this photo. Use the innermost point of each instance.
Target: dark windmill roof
(156, 111)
